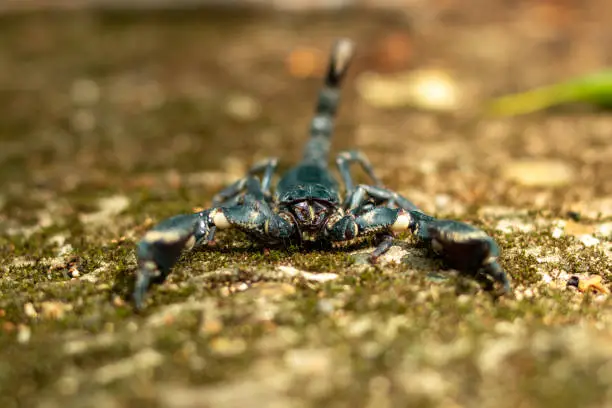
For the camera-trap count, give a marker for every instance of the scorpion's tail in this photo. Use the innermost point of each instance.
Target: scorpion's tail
(321, 129)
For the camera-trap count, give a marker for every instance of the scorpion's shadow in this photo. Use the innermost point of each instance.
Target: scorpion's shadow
(421, 259)
(125, 279)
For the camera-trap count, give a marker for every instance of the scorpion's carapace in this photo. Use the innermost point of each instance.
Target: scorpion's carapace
(307, 206)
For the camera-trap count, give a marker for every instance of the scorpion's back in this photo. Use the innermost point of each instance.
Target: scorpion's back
(307, 181)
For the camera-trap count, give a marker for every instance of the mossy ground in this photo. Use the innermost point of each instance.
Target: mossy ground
(125, 117)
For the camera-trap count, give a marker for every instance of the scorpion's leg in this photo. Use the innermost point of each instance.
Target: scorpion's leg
(345, 159)
(462, 246)
(381, 195)
(245, 189)
(360, 202)
(228, 194)
(231, 194)
(269, 167)
(386, 242)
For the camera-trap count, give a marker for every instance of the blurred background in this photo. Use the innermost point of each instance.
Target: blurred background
(94, 90)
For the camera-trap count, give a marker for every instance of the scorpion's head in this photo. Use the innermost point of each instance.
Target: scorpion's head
(310, 206)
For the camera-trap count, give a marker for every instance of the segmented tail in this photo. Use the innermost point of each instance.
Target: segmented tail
(322, 126)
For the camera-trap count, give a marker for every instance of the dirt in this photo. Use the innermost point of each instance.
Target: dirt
(111, 122)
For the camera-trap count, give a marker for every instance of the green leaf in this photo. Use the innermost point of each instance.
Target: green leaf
(593, 88)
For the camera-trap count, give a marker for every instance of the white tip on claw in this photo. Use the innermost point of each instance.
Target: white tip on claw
(402, 222)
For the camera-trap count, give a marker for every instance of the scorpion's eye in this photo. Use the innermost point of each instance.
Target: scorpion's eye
(319, 208)
(301, 210)
(320, 211)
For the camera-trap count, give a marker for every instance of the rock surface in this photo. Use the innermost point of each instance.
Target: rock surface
(110, 123)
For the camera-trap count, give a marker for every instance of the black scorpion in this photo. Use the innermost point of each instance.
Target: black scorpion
(307, 209)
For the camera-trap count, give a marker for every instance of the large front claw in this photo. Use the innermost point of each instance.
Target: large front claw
(465, 248)
(160, 248)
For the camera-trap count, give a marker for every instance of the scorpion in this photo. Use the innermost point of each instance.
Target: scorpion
(307, 209)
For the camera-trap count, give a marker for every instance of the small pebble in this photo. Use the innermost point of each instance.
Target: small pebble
(85, 92)
(325, 306)
(24, 333)
(29, 310)
(211, 326)
(434, 90)
(539, 173)
(108, 208)
(508, 226)
(74, 272)
(68, 385)
(228, 347)
(317, 277)
(272, 290)
(83, 120)
(127, 367)
(426, 89)
(394, 52)
(596, 208)
(306, 62)
(54, 310)
(8, 326)
(588, 240)
(118, 301)
(243, 107)
(577, 229)
(308, 361)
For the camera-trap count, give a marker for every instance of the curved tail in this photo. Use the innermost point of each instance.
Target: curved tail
(322, 126)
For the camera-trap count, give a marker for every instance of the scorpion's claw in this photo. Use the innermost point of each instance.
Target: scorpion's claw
(144, 276)
(467, 249)
(161, 247)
